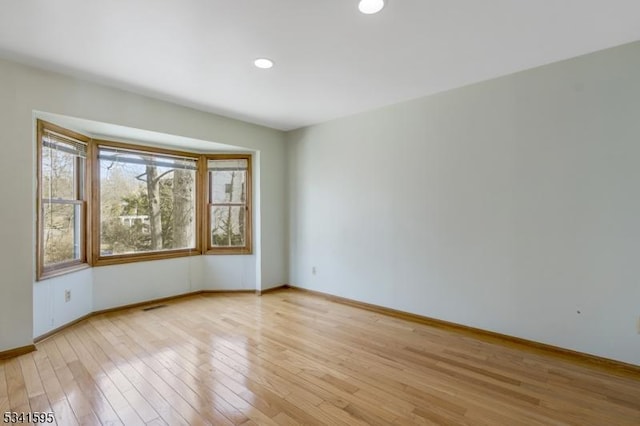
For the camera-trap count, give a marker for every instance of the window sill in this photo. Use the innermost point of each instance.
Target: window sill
(128, 258)
(63, 271)
(229, 251)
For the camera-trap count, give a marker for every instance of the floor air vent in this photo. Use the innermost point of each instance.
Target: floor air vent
(151, 308)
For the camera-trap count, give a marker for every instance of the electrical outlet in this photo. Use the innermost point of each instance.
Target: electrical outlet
(638, 326)
(67, 296)
(313, 270)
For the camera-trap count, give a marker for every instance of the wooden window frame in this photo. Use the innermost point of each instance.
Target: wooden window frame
(206, 198)
(100, 260)
(42, 271)
(90, 202)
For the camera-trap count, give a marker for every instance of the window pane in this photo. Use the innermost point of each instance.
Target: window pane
(145, 207)
(62, 233)
(228, 164)
(121, 155)
(228, 226)
(228, 186)
(58, 174)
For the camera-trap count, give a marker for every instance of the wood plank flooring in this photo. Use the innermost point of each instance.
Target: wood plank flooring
(294, 358)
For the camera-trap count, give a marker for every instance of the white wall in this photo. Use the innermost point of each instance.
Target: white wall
(50, 310)
(118, 285)
(229, 272)
(24, 90)
(508, 205)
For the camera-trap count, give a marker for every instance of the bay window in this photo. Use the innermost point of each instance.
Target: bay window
(105, 202)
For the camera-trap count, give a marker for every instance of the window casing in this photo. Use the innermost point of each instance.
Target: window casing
(147, 204)
(62, 194)
(228, 208)
(104, 202)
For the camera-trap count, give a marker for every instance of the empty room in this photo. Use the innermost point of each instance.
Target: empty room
(341, 212)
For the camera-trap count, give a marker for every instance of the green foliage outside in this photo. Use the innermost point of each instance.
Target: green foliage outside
(123, 238)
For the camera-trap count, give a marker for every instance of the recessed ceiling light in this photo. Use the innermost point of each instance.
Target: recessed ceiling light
(369, 7)
(263, 63)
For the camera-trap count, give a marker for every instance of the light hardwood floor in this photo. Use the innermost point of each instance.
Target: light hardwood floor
(293, 358)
